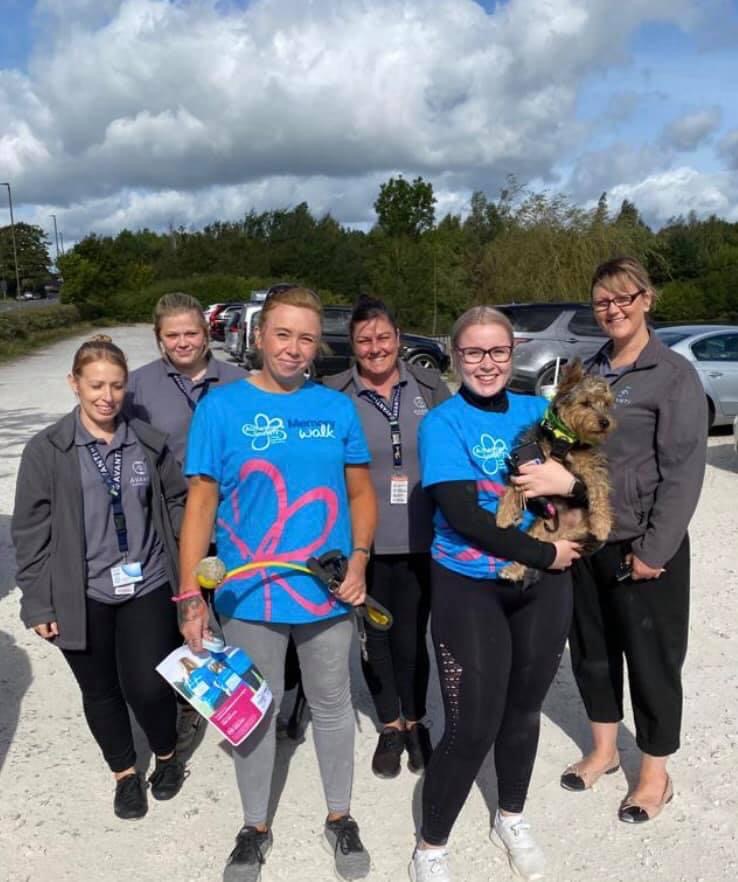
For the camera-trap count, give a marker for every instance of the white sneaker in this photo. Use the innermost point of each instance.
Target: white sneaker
(430, 865)
(526, 858)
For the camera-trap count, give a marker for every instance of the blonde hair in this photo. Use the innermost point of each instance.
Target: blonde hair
(98, 348)
(176, 303)
(304, 298)
(622, 268)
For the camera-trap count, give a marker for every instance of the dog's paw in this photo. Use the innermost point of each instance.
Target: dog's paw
(514, 572)
(591, 543)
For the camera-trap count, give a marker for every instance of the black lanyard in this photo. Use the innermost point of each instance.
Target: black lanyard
(113, 483)
(392, 413)
(179, 383)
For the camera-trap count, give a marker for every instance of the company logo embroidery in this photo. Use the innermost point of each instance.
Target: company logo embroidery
(265, 431)
(491, 451)
(623, 396)
(419, 405)
(139, 473)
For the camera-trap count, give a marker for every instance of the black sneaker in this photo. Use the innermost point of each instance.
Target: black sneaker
(387, 756)
(419, 750)
(130, 797)
(247, 858)
(167, 778)
(341, 837)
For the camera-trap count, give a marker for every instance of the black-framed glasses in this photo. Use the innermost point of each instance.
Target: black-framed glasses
(622, 301)
(475, 354)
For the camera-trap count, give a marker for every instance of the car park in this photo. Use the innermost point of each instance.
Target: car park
(545, 332)
(220, 317)
(713, 350)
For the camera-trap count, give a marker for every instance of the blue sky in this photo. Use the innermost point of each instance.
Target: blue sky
(157, 112)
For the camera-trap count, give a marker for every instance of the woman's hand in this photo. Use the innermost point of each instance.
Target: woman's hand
(193, 621)
(641, 570)
(353, 588)
(48, 631)
(548, 478)
(566, 553)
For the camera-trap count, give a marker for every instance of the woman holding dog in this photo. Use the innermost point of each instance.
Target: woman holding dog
(631, 599)
(99, 500)
(392, 398)
(497, 646)
(282, 463)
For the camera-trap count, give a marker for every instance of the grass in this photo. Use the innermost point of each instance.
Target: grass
(11, 349)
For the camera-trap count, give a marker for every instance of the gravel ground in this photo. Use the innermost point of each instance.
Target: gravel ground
(56, 819)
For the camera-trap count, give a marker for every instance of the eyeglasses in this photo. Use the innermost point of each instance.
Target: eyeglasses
(475, 355)
(620, 300)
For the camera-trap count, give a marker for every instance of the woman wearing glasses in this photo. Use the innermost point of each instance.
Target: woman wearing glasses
(497, 646)
(631, 599)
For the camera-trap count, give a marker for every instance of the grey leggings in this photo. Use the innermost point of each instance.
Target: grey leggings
(323, 650)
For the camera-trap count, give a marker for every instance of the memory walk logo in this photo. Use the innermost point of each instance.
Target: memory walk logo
(313, 428)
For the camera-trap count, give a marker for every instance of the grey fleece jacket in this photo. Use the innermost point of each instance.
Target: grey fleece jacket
(432, 386)
(657, 453)
(48, 525)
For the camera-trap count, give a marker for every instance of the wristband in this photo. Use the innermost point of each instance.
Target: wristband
(186, 596)
(360, 548)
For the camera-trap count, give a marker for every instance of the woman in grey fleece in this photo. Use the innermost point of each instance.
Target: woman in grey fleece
(631, 598)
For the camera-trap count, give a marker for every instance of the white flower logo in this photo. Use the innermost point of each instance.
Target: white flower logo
(265, 431)
(492, 452)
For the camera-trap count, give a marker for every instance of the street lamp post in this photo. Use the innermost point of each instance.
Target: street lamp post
(56, 239)
(12, 236)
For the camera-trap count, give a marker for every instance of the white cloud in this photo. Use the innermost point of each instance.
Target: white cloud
(134, 108)
(689, 131)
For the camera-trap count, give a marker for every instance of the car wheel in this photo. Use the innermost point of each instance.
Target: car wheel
(546, 376)
(424, 360)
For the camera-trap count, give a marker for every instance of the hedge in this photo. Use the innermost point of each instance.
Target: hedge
(21, 324)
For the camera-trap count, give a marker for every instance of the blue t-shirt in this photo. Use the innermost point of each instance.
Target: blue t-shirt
(279, 462)
(460, 442)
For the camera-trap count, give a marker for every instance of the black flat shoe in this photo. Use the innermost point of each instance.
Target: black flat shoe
(638, 813)
(167, 778)
(130, 797)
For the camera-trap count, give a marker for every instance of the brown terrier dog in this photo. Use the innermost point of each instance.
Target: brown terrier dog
(577, 420)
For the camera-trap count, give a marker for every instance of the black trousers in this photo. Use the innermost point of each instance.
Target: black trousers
(398, 667)
(646, 623)
(498, 649)
(125, 642)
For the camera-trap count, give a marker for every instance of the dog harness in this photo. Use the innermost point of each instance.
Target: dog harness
(563, 437)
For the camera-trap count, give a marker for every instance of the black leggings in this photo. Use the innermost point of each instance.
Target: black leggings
(498, 649)
(398, 667)
(125, 642)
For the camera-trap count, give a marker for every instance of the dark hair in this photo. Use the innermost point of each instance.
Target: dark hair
(98, 348)
(367, 308)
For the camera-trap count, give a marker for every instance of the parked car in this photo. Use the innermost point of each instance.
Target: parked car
(230, 341)
(545, 332)
(713, 350)
(220, 317)
(335, 351)
(246, 326)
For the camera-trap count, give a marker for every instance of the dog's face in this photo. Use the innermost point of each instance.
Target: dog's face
(583, 403)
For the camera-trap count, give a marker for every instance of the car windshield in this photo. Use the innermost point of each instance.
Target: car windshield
(530, 318)
(336, 322)
(671, 338)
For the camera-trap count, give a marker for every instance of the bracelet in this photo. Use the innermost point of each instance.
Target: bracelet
(186, 596)
(361, 548)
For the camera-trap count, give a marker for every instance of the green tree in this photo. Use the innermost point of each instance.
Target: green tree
(404, 208)
(32, 246)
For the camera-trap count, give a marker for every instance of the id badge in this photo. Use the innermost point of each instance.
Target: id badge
(125, 576)
(399, 490)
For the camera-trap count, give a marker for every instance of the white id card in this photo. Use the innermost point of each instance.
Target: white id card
(398, 490)
(125, 576)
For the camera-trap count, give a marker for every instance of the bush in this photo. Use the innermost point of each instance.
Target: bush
(20, 324)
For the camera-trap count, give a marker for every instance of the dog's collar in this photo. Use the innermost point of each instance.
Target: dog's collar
(558, 428)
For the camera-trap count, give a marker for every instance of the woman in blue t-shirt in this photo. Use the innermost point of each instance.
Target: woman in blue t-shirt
(497, 646)
(280, 465)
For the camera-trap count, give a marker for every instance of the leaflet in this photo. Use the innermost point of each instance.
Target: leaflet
(224, 686)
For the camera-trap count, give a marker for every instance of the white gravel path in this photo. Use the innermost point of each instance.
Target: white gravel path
(56, 820)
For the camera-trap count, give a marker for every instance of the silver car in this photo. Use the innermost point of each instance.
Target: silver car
(545, 332)
(713, 350)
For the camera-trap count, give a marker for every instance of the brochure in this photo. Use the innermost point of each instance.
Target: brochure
(223, 685)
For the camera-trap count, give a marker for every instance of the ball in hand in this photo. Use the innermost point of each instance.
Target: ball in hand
(210, 572)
